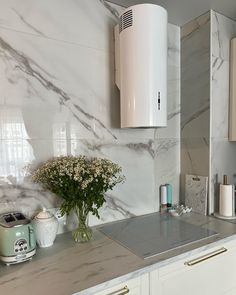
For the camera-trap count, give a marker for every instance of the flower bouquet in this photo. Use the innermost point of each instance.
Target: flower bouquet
(82, 183)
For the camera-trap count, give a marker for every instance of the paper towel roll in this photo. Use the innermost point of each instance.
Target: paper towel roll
(226, 200)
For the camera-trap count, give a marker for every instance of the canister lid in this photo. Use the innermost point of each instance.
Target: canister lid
(44, 214)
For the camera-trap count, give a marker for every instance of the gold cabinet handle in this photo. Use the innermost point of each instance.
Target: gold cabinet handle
(122, 291)
(205, 257)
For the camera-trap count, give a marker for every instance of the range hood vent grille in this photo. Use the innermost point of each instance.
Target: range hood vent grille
(126, 20)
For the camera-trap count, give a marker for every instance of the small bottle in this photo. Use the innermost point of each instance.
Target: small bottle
(163, 198)
(169, 195)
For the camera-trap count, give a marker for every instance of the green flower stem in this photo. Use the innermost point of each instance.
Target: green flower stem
(83, 233)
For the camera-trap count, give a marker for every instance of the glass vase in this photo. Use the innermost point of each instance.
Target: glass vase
(83, 233)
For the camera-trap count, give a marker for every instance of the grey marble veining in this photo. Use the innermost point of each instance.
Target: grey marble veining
(69, 268)
(222, 153)
(223, 30)
(58, 97)
(24, 21)
(205, 149)
(173, 92)
(195, 98)
(42, 19)
(140, 147)
(195, 72)
(195, 155)
(31, 70)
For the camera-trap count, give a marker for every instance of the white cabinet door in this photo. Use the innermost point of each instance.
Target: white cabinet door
(212, 272)
(137, 286)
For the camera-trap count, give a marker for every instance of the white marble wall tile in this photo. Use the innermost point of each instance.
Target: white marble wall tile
(134, 197)
(223, 30)
(223, 161)
(195, 156)
(167, 166)
(75, 90)
(51, 82)
(87, 23)
(195, 73)
(195, 98)
(222, 153)
(210, 122)
(173, 94)
(28, 198)
(58, 96)
(220, 98)
(137, 160)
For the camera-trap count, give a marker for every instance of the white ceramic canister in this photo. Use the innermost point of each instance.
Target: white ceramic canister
(45, 225)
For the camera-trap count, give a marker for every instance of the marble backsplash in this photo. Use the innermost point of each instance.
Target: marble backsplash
(223, 160)
(195, 98)
(58, 97)
(205, 149)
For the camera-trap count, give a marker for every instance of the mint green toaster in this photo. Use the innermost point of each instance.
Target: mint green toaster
(17, 239)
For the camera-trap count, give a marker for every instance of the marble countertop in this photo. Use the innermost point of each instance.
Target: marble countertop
(68, 268)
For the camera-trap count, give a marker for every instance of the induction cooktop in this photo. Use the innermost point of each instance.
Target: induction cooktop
(153, 234)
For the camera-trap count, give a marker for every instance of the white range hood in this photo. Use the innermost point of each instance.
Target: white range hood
(141, 66)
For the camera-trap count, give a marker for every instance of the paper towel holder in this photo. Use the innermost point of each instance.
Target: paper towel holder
(226, 200)
(217, 215)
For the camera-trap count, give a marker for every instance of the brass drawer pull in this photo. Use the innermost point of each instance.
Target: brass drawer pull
(205, 257)
(122, 291)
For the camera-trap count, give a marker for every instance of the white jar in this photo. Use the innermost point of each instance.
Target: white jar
(45, 225)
